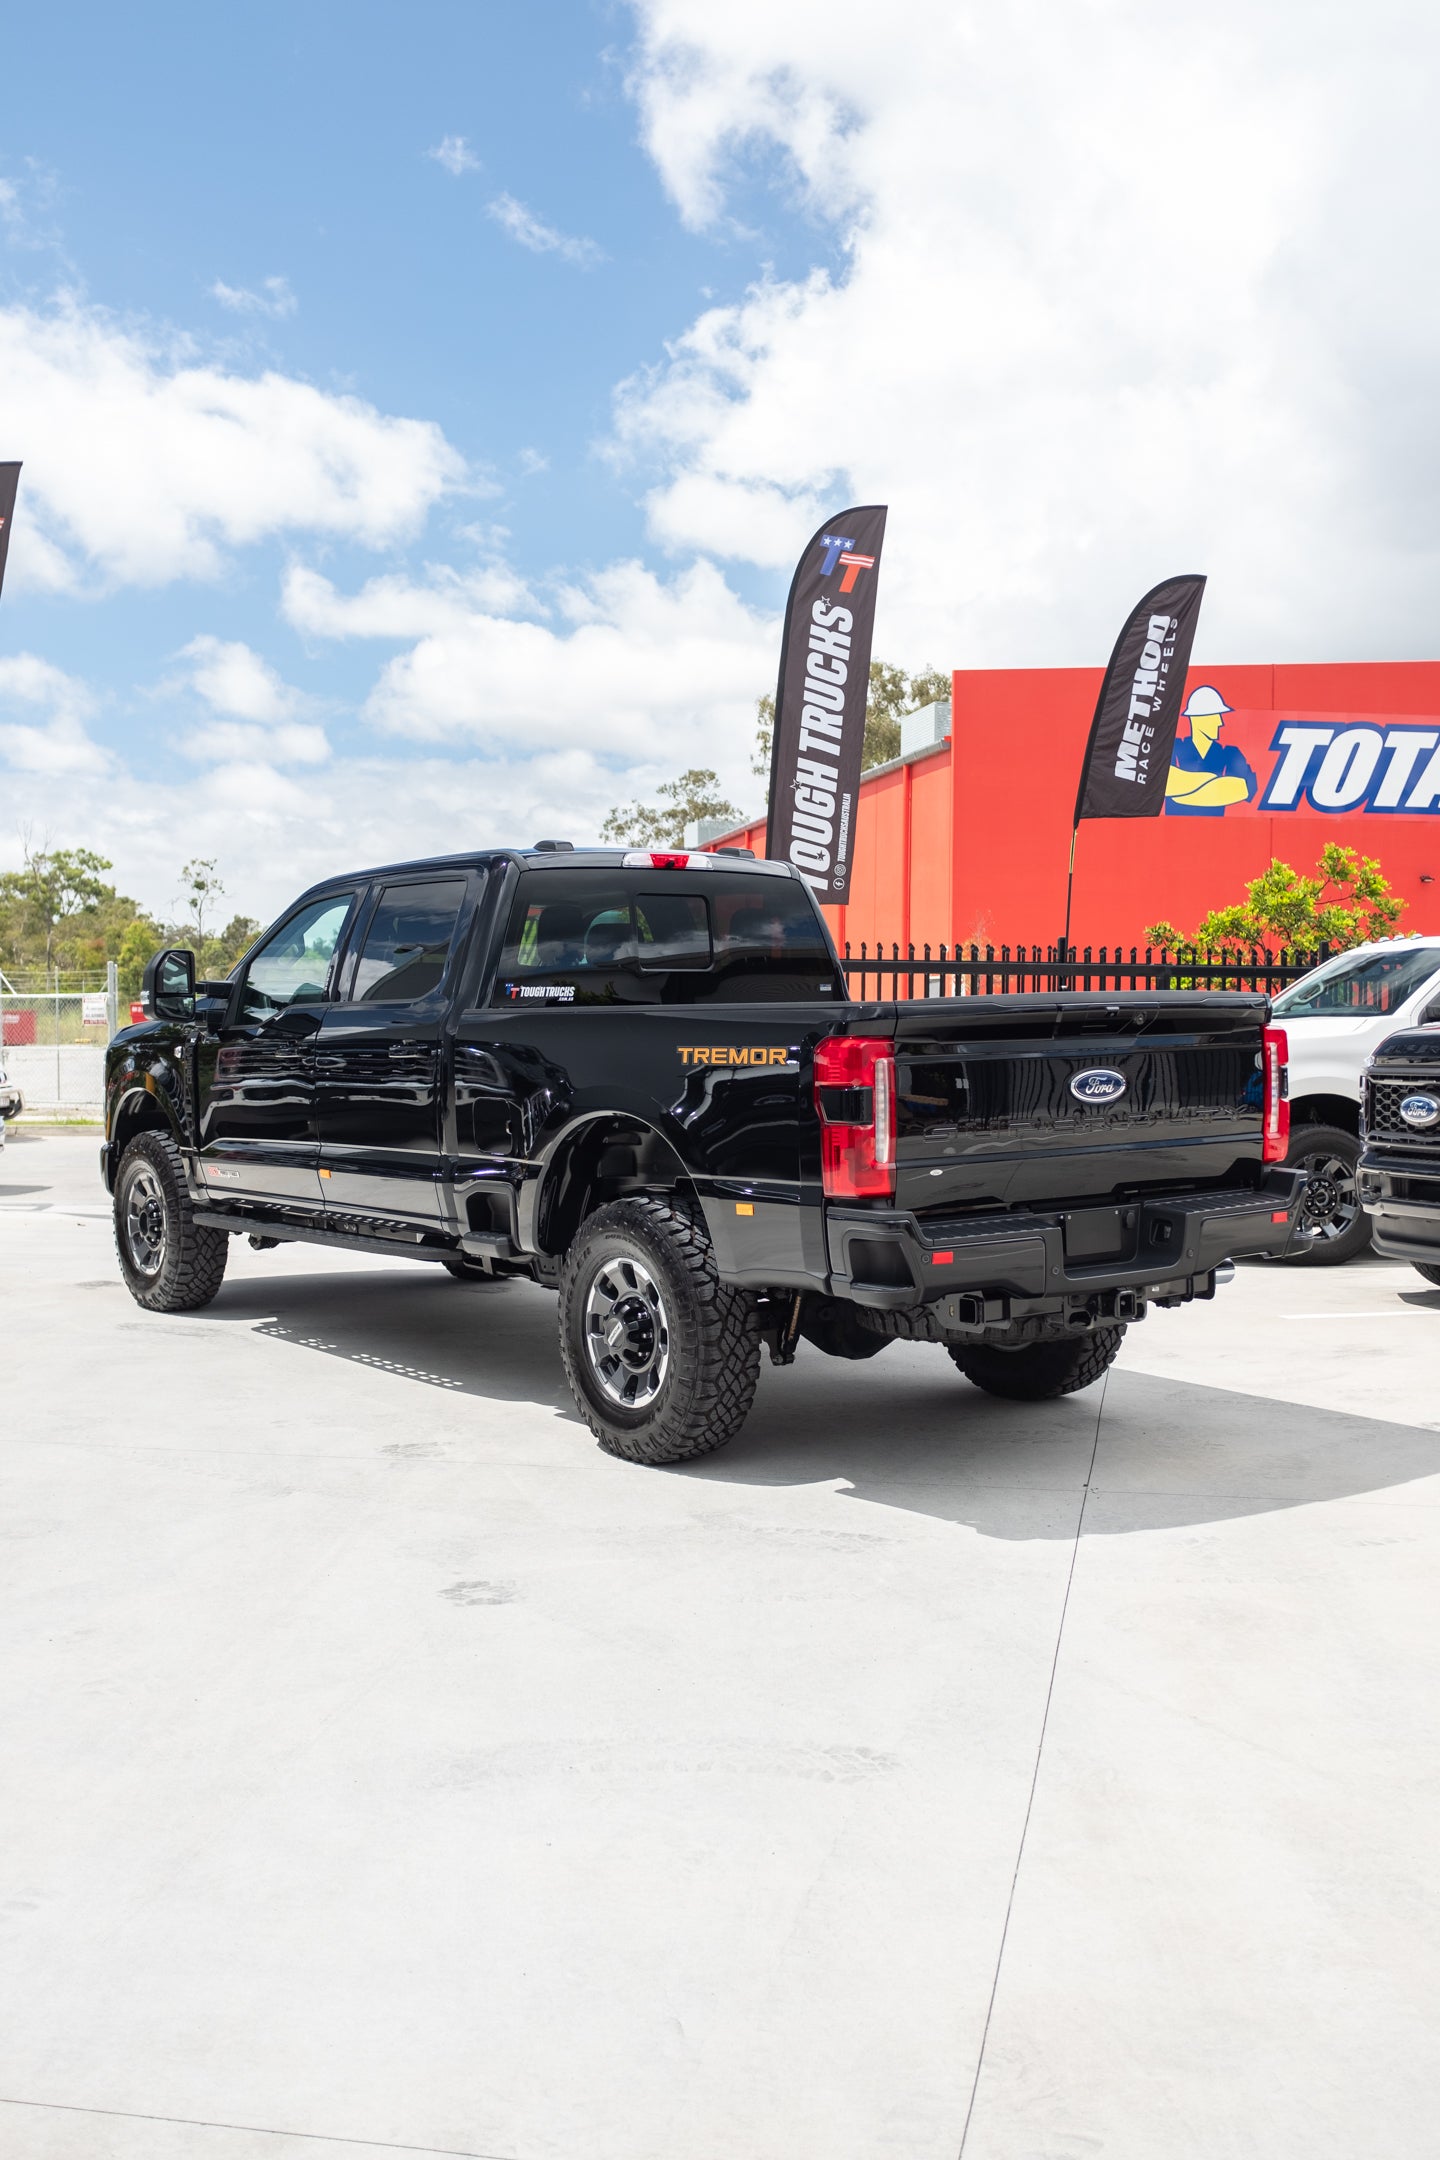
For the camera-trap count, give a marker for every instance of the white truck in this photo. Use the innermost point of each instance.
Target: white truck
(1335, 1018)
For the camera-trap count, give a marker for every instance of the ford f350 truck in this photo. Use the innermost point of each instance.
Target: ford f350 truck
(1400, 1129)
(639, 1078)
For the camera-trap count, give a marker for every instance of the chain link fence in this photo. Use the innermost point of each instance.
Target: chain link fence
(52, 1041)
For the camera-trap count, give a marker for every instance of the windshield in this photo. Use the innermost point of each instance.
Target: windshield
(1355, 986)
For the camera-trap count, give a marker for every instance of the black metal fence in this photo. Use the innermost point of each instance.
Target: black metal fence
(995, 970)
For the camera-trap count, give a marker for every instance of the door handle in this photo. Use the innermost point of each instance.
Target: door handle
(326, 1063)
(408, 1049)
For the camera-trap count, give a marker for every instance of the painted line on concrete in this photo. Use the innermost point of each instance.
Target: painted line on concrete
(200, 2122)
(1035, 1773)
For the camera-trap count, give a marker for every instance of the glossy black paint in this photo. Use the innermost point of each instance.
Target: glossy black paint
(1399, 1170)
(468, 1120)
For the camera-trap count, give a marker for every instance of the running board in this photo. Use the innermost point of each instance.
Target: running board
(389, 1248)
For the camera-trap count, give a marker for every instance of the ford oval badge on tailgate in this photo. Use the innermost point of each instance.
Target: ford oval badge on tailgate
(1421, 1111)
(1099, 1084)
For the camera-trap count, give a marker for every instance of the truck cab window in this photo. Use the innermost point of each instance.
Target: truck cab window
(769, 943)
(570, 940)
(407, 943)
(293, 966)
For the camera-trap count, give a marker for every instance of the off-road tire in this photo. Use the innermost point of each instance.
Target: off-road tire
(714, 1340)
(191, 1265)
(1038, 1372)
(1431, 1274)
(1326, 1145)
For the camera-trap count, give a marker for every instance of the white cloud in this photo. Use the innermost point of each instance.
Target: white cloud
(532, 232)
(455, 154)
(261, 713)
(143, 465)
(639, 671)
(51, 739)
(1101, 305)
(274, 297)
(274, 832)
(235, 680)
(231, 742)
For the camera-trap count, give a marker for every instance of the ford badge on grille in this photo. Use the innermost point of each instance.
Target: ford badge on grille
(1098, 1084)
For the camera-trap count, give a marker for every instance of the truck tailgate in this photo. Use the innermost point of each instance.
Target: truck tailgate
(1015, 1102)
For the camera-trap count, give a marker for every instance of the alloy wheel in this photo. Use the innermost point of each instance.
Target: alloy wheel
(627, 1332)
(145, 1225)
(1332, 1203)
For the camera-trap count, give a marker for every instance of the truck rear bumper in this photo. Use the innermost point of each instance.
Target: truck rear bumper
(1163, 1247)
(1402, 1199)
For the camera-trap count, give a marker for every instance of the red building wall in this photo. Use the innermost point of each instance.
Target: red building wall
(971, 842)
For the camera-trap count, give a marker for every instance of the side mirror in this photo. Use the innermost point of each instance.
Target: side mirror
(168, 992)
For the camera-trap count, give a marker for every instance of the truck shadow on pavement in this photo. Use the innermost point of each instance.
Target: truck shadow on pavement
(495, 1340)
(1169, 1453)
(902, 1430)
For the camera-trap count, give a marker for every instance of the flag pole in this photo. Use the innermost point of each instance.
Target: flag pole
(1069, 891)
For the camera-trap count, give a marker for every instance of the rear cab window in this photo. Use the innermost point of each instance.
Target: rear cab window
(597, 937)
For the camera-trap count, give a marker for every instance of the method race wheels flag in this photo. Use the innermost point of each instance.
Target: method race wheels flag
(9, 482)
(820, 701)
(1132, 737)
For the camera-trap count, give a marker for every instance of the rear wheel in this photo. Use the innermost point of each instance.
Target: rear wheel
(170, 1264)
(1037, 1372)
(1431, 1274)
(661, 1356)
(1330, 1205)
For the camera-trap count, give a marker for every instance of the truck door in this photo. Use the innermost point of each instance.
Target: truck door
(258, 1137)
(381, 1058)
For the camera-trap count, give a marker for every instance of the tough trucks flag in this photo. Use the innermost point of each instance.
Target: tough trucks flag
(820, 701)
(9, 482)
(1132, 736)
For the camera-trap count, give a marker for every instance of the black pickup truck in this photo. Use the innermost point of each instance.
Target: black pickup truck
(1399, 1172)
(639, 1079)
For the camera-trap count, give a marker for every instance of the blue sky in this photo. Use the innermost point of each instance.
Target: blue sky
(378, 501)
(287, 154)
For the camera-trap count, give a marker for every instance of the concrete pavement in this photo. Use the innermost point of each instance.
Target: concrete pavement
(389, 1768)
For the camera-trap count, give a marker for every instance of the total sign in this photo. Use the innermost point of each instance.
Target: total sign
(1230, 762)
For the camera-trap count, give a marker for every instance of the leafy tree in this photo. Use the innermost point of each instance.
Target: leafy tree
(892, 693)
(696, 794)
(1347, 902)
(218, 953)
(58, 912)
(201, 880)
(46, 896)
(141, 938)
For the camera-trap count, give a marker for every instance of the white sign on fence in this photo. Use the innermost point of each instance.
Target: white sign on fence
(94, 1009)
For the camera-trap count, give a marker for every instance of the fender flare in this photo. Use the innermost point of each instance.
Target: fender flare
(542, 1191)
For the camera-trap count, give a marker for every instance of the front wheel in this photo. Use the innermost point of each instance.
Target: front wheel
(1038, 1372)
(661, 1356)
(1330, 1204)
(170, 1264)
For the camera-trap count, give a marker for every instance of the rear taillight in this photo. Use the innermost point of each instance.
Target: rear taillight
(855, 1096)
(1275, 1080)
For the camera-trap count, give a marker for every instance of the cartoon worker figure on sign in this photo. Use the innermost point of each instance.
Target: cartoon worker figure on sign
(1206, 775)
